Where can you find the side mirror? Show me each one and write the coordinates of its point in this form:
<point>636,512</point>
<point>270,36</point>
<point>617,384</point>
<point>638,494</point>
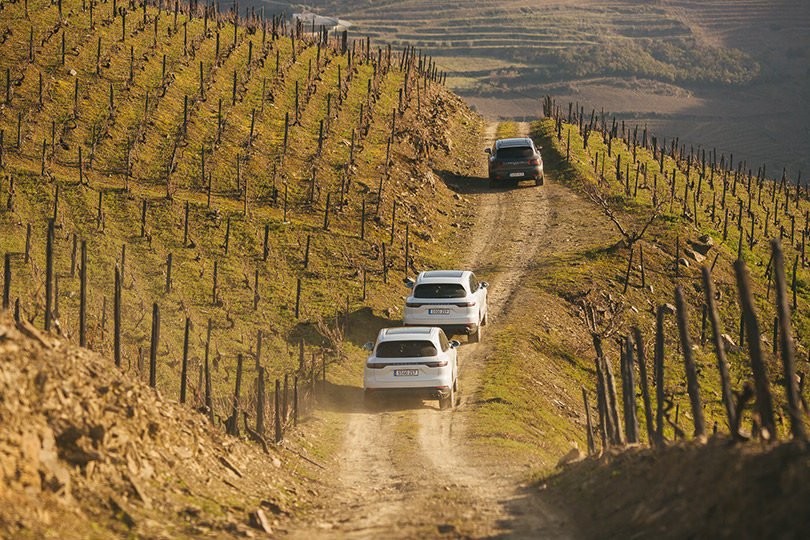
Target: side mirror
<point>484,284</point>
<point>454,343</point>
<point>369,346</point>
<point>409,282</point>
<point>488,150</point>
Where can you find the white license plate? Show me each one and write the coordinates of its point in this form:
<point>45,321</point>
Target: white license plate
<point>406,372</point>
<point>438,312</point>
<point>515,174</point>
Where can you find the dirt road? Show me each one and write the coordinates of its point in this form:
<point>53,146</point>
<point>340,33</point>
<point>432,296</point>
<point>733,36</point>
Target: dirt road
<point>407,471</point>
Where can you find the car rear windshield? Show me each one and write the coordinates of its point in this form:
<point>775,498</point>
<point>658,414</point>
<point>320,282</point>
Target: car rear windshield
<point>405,349</point>
<point>515,152</point>
<point>439,290</point>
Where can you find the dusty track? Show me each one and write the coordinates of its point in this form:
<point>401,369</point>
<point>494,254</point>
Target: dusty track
<point>406,471</point>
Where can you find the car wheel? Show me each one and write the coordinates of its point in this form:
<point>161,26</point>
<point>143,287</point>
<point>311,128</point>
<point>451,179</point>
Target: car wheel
<point>476,337</point>
<point>539,181</point>
<point>485,320</point>
<point>492,183</point>
<point>449,401</point>
<point>371,401</point>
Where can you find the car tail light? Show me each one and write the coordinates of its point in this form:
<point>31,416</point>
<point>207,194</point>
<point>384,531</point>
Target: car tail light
<point>466,304</point>
<point>375,366</point>
<point>412,304</point>
<point>497,163</point>
<point>436,364</point>
<point>535,161</point>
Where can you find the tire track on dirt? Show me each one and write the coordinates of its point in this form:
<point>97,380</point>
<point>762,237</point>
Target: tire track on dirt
<point>513,226</point>
<point>407,472</point>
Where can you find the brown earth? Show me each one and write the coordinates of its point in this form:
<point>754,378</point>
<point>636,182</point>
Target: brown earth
<point>690,490</point>
<point>413,471</point>
<point>89,452</point>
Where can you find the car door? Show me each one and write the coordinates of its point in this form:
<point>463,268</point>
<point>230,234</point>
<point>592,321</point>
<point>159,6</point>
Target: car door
<point>451,352</point>
<point>480,296</point>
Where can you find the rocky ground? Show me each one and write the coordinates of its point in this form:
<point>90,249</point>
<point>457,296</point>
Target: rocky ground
<point>86,451</point>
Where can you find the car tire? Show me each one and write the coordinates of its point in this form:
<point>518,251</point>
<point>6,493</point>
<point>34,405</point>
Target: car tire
<point>476,337</point>
<point>449,401</point>
<point>485,320</point>
<point>371,401</point>
<point>539,181</point>
<point>492,183</point>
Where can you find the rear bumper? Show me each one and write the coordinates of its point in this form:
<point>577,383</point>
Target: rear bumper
<point>529,173</point>
<point>450,329</point>
<point>431,392</point>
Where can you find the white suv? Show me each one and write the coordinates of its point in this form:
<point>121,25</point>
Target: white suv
<point>453,300</point>
<point>413,361</point>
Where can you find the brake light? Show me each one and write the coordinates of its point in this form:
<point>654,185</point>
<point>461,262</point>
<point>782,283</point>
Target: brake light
<point>497,163</point>
<point>437,364</point>
<point>535,161</point>
<point>466,304</point>
<point>412,304</point>
<point>375,366</point>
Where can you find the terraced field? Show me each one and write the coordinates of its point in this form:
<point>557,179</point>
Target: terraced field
<point>553,36</point>
<point>731,74</point>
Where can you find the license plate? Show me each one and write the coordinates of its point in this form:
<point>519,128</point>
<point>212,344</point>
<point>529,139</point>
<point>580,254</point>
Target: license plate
<point>406,372</point>
<point>515,174</point>
<point>438,312</point>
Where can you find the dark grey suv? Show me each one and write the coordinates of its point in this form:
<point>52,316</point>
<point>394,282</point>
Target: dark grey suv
<point>513,160</point>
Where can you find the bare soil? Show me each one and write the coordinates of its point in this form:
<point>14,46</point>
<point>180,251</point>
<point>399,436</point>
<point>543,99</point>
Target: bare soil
<point>412,470</point>
<point>690,490</point>
<point>88,452</point>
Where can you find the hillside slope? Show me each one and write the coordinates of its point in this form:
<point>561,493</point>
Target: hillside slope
<point>730,73</point>
<point>217,166</point>
<point>222,165</point>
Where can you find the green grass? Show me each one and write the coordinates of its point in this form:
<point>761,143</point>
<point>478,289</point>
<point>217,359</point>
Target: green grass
<point>659,250</point>
<point>530,402</point>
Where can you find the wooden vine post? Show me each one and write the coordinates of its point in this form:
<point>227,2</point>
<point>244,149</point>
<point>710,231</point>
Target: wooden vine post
<point>589,423</point>
<point>153,346</point>
<point>720,351</point>
<point>209,406</point>
<point>117,318</point>
<point>278,432</point>
<point>786,343</point>
<point>692,385</point>
<point>49,276</point>
<point>184,368</point>
<point>629,392</point>
<point>761,382</point>
<point>659,376</point>
<point>645,386</point>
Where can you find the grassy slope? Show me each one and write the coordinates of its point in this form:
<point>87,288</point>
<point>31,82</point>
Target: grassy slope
<point>338,258</point>
<point>531,392</point>
<point>541,41</point>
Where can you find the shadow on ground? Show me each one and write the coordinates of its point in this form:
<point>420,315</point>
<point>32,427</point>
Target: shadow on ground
<point>351,399</point>
<point>468,185</point>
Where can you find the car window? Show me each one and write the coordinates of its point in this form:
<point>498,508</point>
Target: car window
<point>515,152</point>
<point>473,283</point>
<point>439,290</point>
<point>405,349</point>
<point>443,341</point>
